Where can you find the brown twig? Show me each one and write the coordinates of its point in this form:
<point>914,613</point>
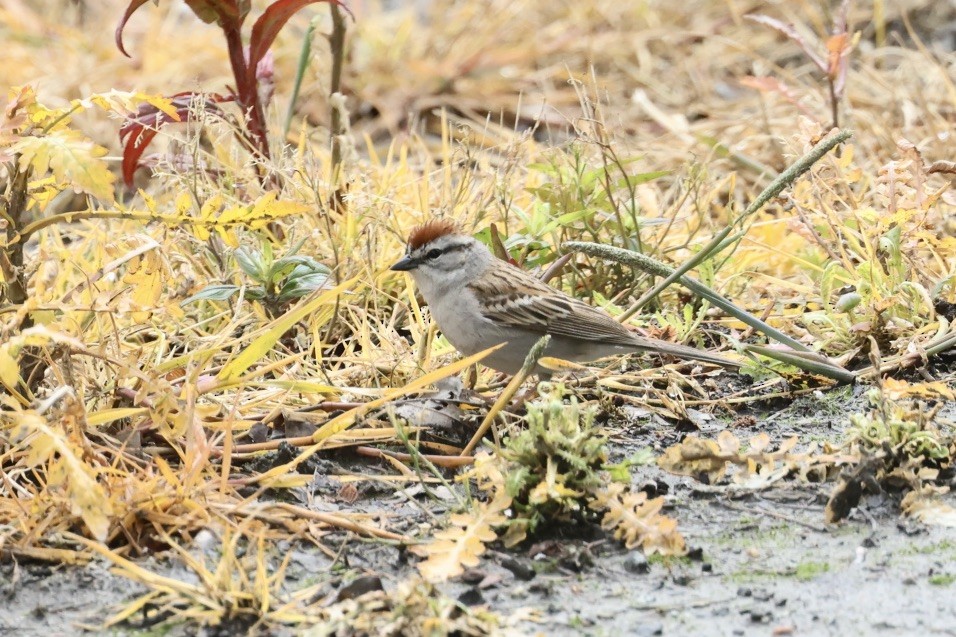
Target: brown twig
<point>447,462</point>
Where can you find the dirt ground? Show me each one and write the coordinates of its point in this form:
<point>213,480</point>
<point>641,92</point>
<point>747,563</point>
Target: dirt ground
<point>761,563</point>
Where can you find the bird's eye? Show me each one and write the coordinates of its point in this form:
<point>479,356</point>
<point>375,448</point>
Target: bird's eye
<point>434,253</point>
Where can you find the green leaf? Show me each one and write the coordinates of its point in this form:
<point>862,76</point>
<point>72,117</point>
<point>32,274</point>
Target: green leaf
<point>630,181</point>
<point>255,293</point>
<point>848,301</point>
<point>300,259</point>
<point>620,472</point>
<point>213,293</point>
<point>295,247</point>
<point>286,265</point>
<point>267,254</point>
<point>300,285</point>
<point>250,262</point>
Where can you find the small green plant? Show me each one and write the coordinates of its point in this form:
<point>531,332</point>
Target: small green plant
<point>276,282</point>
<point>579,195</point>
<point>557,470</point>
<point>904,431</point>
<point>900,447</point>
<point>553,472</point>
<point>555,463</point>
<point>882,276</point>
<point>885,300</point>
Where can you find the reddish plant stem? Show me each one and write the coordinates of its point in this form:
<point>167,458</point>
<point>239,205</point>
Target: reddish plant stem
<point>248,97</point>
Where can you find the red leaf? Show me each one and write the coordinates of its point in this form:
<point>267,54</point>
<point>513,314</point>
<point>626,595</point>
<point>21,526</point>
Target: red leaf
<point>130,10</point>
<point>133,150</point>
<point>267,27</point>
<point>225,13</point>
<point>138,131</point>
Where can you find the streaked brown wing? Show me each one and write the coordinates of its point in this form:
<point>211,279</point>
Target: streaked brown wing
<point>545,310</point>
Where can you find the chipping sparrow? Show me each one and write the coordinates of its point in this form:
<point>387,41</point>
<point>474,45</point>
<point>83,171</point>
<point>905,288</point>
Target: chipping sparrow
<point>479,301</point>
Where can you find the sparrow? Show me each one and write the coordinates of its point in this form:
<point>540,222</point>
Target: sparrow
<point>480,301</point>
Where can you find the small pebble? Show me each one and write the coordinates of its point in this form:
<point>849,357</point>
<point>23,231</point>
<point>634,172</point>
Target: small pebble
<point>519,568</point>
<point>635,562</point>
<point>759,617</point>
<point>360,586</point>
<point>471,597</point>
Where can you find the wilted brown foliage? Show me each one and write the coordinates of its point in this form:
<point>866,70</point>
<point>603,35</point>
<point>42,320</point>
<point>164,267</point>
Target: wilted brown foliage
<point>178,275</point>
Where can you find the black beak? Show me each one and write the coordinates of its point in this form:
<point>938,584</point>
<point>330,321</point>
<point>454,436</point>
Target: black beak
<point>405,265</point>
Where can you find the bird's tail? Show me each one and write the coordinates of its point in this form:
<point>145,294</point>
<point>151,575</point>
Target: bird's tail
<point>682,351</point>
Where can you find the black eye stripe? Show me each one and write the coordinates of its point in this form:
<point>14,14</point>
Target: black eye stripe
<point>455,247</point>
<point>434,253</point>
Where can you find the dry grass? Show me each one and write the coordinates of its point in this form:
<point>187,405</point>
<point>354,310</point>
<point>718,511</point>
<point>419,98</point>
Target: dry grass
<point>530,115</point>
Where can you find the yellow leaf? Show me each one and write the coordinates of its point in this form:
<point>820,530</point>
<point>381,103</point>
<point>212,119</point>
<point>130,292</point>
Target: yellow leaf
<point>224,221</point>
<point>288,481</point>
<point>925,506</point>
<point>42,191</point>
<point>38,114</point>
<point>127,103</point>
<point>545,492</point>
<point>638,521</point>
<point>694,457</point>
<point>146,275</point>
<point>728,442</point>
<point>166,471</point>
<point>41,335</point>
<point>898,389</point>
<point>303,386</point>
<point>759,443</point>
<point>66,470</point>
<point>267,209</point>
<point>74,160</point>
<point>559,364</point>
<point>184,203</point>
<point>148,200</point>
<point>9,369</point>
<point>463,542</point>
<point>846,156</point>
<point>343,421</point>
<point>98,418</point>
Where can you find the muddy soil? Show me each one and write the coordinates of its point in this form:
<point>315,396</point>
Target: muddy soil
<point>761,563</point>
